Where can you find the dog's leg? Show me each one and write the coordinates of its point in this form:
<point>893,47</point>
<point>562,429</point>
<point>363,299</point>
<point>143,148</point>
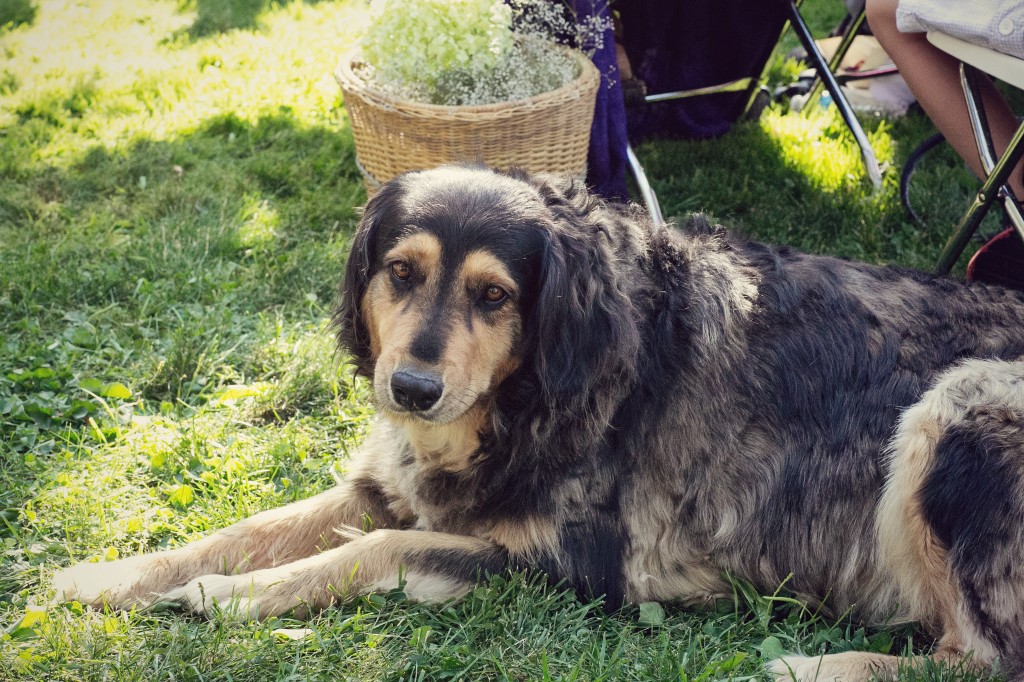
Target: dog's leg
<point>973,501</point>
<point>431,567</point>
<point>951,518</point>
<point>951,527</point>
<point>851,666</point>
<point>861,666</point>
<point>267,539</point>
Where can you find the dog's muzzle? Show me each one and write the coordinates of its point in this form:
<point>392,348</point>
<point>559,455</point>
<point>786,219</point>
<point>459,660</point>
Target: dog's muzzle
<point>416,390</point>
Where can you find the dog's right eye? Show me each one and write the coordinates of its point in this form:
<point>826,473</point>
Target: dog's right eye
<point>401,270</point>
<point>494,294</point>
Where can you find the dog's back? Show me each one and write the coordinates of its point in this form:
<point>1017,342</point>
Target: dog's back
<point>779,421</point>
<point>782,428</point>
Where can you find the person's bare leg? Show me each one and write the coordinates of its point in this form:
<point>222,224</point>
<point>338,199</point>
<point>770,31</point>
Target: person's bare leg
<point>934,78</point>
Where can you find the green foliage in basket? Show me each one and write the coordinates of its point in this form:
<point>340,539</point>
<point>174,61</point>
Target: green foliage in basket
<point>467,52</point>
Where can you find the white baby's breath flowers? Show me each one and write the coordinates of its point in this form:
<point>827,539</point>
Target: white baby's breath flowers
<point>471,52</point>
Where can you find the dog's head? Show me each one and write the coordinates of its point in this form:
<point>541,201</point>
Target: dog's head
<point>461,279</point>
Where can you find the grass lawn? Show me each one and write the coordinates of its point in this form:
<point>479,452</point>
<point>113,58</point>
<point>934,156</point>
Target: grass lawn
<point>177,193</point>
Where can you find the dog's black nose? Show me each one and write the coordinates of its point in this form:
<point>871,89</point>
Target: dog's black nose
<point>416,390</point>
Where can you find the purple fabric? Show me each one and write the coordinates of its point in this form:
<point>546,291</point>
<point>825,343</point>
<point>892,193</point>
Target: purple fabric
<point>675,46</point>
<point>682,46</point>
<point>606,159</point>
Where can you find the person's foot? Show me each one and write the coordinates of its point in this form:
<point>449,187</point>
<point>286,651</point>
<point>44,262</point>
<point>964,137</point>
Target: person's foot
<point>1000,261</point>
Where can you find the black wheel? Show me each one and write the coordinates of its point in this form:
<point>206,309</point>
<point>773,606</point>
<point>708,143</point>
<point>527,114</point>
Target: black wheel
<point>762,98</point>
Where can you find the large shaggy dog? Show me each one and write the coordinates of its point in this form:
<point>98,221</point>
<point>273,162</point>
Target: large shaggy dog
<point>641,411</point>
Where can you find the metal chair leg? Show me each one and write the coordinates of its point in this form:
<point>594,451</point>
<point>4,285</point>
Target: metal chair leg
<point>998,171</point>
<point>825,73</point>
<point>646,191</point>
<point>845,43</point>
<point>969,81</point>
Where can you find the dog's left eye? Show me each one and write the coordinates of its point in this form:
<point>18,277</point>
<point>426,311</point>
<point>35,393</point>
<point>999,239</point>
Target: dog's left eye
<point>494,294</point>
<point>401,270</point>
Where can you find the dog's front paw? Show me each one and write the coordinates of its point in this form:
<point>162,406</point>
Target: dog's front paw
<point>120,584</point>
<point>226,592</point>
<point>248,596</point>
<point>852,666</point>
<point>798,668</point>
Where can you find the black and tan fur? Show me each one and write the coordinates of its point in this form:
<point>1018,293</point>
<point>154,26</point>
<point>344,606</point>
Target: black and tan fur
<point>640,411</point>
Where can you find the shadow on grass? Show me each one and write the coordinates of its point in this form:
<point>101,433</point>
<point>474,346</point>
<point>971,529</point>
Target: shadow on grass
<point>14,13</point>
<point>159,265</point>
<point>220,16</point>
<point>231,191</point>
<point>747,181</point>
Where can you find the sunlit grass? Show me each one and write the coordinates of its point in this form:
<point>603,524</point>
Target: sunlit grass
<point>819,147</point>
<point>112,71</point>
<point>258,222</point>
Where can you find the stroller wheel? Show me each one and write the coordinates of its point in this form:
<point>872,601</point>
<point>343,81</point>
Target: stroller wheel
<point>762,98</point>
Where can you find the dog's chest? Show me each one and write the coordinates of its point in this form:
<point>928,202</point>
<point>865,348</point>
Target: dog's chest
<point>437,498</point>
<point>448,502</point>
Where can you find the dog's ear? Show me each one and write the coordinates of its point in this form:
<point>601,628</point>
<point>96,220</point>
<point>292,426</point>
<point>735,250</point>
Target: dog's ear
<point>350,327</point>
<point>582,329</point>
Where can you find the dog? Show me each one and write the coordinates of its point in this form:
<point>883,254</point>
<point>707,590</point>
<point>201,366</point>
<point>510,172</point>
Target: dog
<point>641,412</point>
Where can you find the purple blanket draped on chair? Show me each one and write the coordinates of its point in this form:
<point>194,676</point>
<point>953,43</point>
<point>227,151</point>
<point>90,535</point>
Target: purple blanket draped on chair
<point>675,46</point>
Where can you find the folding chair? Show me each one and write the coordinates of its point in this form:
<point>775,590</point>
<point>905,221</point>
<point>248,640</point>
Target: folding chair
<point>752,86</point>
<point>975,61</point>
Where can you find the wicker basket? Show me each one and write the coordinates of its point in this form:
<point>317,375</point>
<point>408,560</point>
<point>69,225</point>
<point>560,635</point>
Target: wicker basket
<point>547,132</point>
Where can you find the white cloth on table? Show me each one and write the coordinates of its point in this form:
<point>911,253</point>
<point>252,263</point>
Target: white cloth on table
<point>995,24</point>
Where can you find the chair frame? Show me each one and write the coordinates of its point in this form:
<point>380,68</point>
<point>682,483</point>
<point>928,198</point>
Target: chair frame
<point>997,171</point>
<point>825,71</point>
